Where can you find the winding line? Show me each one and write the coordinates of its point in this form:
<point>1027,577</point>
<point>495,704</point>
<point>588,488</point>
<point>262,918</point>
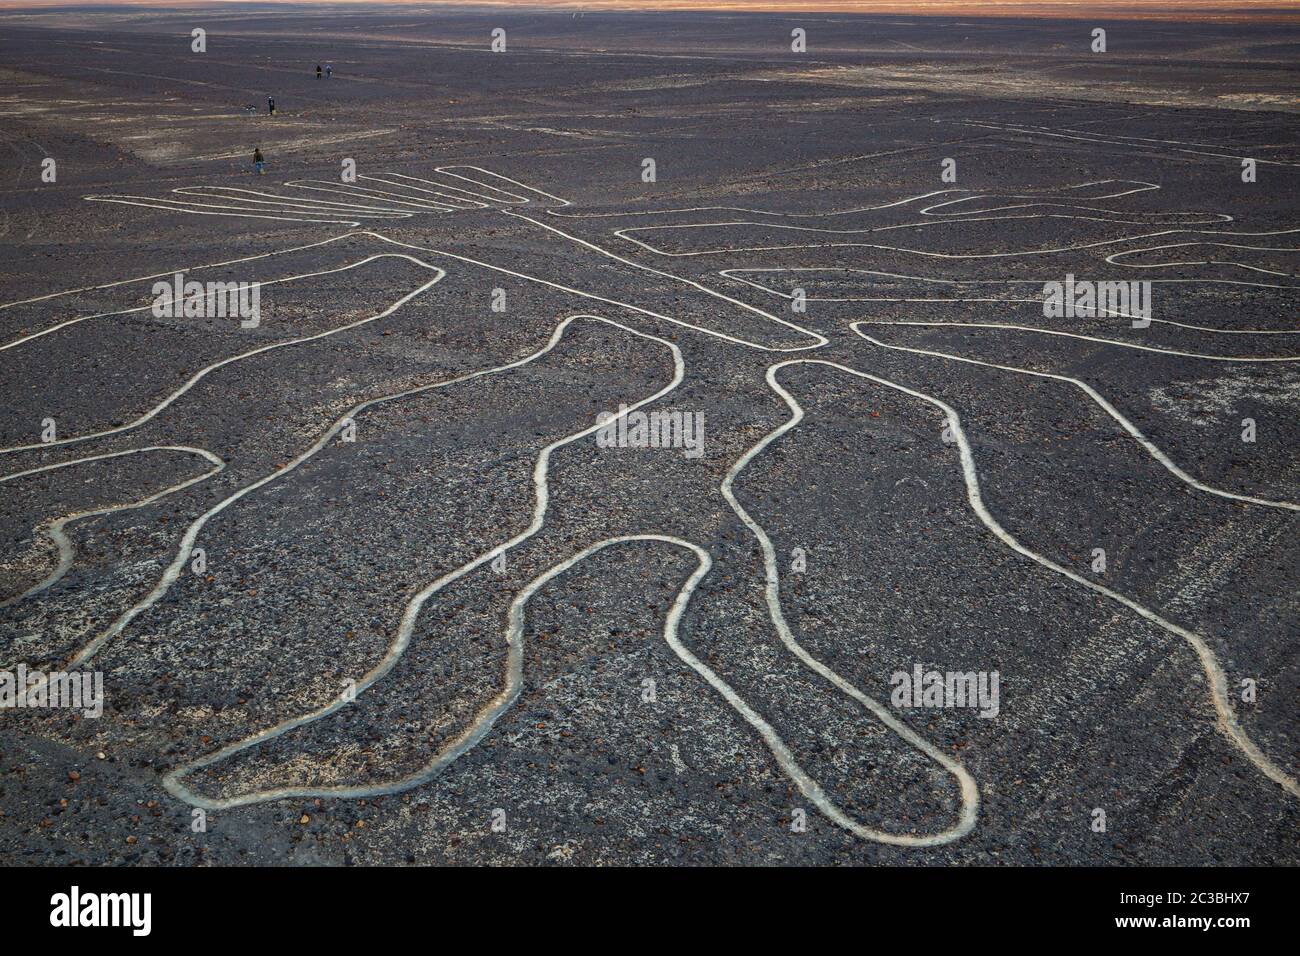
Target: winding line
<point>820,339</point>
<point>431,196</point>
<point>1151,448</point>
<point>1172,145</point>
<point>205,295</point>
<point>738,275</point>
<point>173,571</point>
<point>203,372</point>
<point>1226,718</point>
<point>1114,257</point>
<point>489,714</point>
<point>402,638</point>
<point>1086,338</point>
<point>250,203</point>
<point>171,272</point>
<point>772,595</point>
<point>55,528</point>
<point>968,197</point>
<point>625,234</point>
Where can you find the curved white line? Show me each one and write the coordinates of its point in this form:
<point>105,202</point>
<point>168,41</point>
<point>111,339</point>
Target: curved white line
<point>203,372</point>
<point>1218,683</point>
<point>488,715</point>
<point>1150,447</point>
<point>772,595</point>
<point>1087,338</point>
<point>54,529</point>
<point>402,638</point>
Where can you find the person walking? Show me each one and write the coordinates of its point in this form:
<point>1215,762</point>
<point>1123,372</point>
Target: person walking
<point>270,106</point>
<point>329,70</point>
<point>258,161</point>
<point>318,71</point>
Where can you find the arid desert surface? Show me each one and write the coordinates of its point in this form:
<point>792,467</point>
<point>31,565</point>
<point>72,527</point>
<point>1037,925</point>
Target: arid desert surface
<point>382,565</point>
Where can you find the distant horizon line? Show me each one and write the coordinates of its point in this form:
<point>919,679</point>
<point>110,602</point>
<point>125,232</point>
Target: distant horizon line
<point>1187,10</point>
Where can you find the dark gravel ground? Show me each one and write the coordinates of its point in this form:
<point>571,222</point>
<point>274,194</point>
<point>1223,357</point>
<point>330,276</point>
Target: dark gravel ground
<point>307,577</point>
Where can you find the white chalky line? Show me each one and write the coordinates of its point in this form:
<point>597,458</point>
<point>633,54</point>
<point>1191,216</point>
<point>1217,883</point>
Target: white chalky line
<point>408,622</point>
<point>1114,257</point>
<point>402,638</point>
<point>772,595</point>
<point>1109,140</point>
<point>820,339</point>
<point>488,715</point>
<point>738,275</point>
<point>446,171</point>
<point>146,308</point>
<point>296,209</point>
<point>191,209</point>
<point>54,529</point>
<point>1174,142</point>
<point>1151,448</point>
<point>170,272</point>
<point>1141,187</point>
<point>981,214</point>
<point>944,218</point>
<point>757,212</point>
<point>624,234</point>
<point>301,209</point>
<point>370,193</point>
<point>1087,338</point>
<point>1227,722</point>
<point>1218,682</point>
<point>470,200</point>
<point>515,199</point>
<point>970,794</point>
<point>203,372</point>
<point>305,203</point>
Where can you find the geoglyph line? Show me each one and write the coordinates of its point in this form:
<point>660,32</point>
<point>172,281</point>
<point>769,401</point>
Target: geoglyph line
<point>1088,338</point>
<point>411,196</point>
<point>258,204</point>
<point>772,596</point>
<point>203,372</point>
<point>173,571</point>
<point>205,295</point>
<point>962,195</point>
<point>810,788</point>
<point>1150,447</point>
<point>1015,253</point>
<point>488,715</point>
<point>1226,719</point>
<point>739,275</point>
<point>54,529</point>
<point>1114,139</point>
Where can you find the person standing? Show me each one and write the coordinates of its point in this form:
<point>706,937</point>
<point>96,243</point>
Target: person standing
<point>329,70</point>
<point>258,161</point>
<point>318,71</point>
<point>270,106</point>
